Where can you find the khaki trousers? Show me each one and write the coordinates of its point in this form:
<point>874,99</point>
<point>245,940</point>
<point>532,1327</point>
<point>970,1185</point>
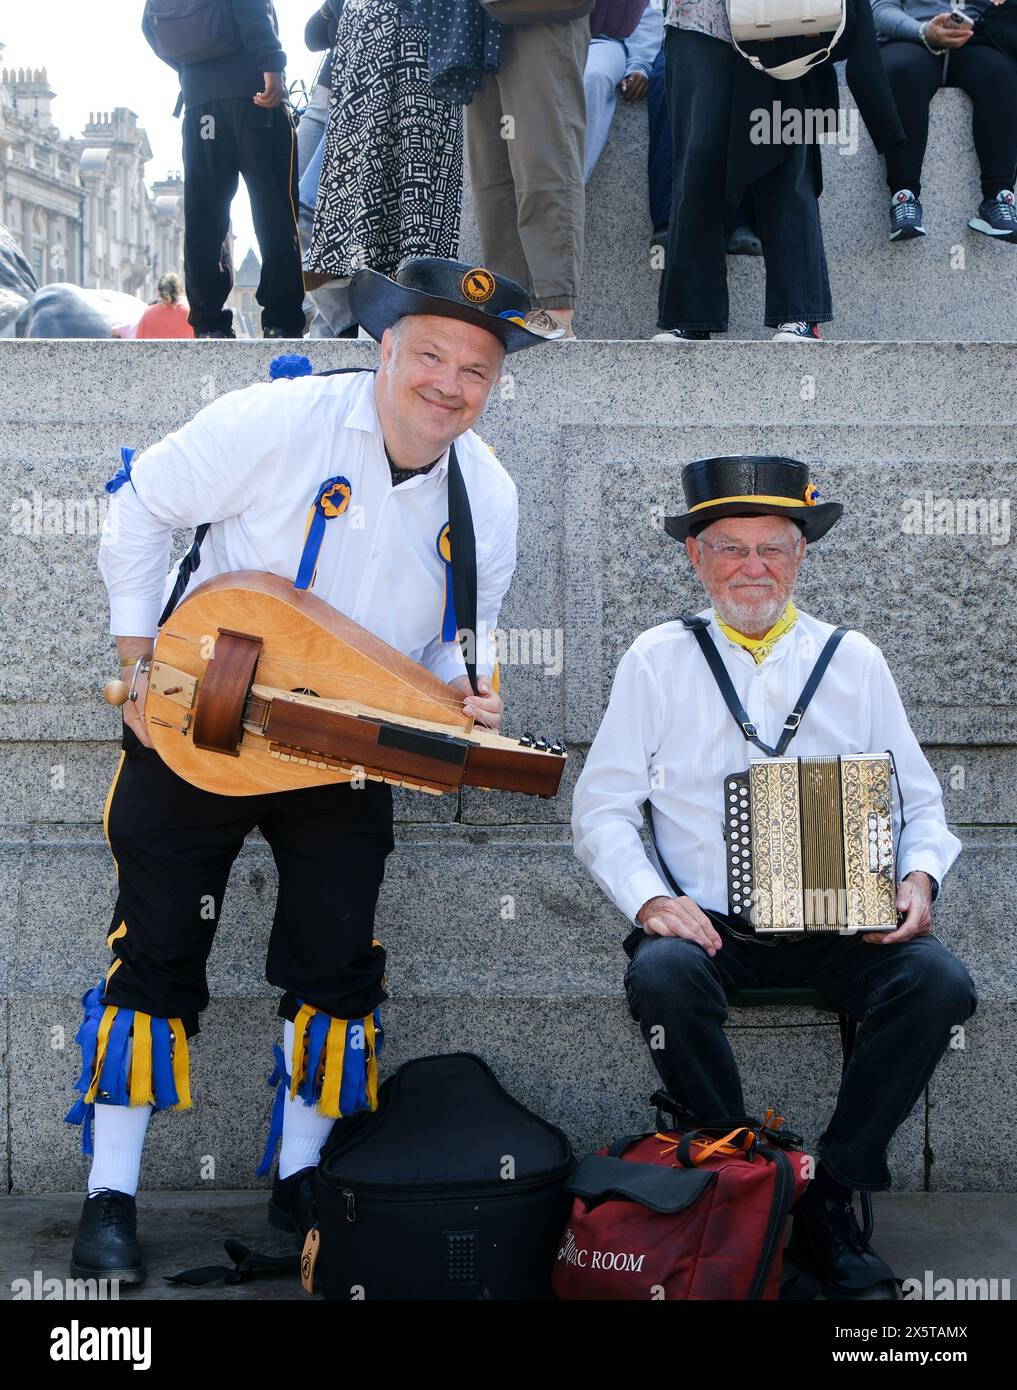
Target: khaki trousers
<point>525,135</point>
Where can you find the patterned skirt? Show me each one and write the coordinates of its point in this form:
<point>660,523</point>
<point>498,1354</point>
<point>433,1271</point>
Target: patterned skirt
<point>392,166</point>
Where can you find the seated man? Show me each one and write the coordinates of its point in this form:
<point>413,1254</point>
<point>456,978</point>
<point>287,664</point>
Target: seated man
<point>668,738</point>
<point>255,466</point>
<point>613,66</point>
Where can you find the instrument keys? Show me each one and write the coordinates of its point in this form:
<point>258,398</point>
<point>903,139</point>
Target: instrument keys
<point>558,747</point>
<point>526,741</point>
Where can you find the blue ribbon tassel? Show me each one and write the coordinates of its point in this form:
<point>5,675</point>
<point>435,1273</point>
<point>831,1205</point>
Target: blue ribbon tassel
<point>124,473</point>
<point>332,499</point>
<point>281,1081</point>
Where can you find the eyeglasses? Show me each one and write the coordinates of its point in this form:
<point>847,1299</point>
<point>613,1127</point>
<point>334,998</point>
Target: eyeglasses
<point>773,551</point>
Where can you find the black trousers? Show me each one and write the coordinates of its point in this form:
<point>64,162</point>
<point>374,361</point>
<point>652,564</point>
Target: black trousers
<point>222,141</point>
<point>693,287</point>
<point>174,845</point>
<point>990,79</point>
<point>906,997</point>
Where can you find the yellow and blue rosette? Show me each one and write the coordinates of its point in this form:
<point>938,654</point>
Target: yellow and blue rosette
<point>811,495</point>
<point>333,498</point>
<point>443,545</point>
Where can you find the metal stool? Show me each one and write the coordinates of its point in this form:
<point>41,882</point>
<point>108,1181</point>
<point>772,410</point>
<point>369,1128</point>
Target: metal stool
<point>801,997</point>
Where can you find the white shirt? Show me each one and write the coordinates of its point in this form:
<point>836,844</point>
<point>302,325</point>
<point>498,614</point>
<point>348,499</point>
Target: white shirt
<point>667,737</point>
<point>251,464</point>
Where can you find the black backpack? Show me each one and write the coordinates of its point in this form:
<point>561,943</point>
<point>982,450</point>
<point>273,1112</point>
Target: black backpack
<point>450,1190</point>
<point>191,31</point>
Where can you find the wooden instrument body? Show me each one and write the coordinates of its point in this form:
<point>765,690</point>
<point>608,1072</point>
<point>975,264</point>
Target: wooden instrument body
<point>308,667</point>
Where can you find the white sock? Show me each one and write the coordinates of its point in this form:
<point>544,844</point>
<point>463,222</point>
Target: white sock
<point>304,1128</point>
<point>119,1136</point>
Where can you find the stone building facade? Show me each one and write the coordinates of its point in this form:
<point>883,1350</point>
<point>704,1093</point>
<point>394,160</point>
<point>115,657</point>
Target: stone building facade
<point>79,207</point>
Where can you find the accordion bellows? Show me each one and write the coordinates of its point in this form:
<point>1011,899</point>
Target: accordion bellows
<point>810,844</point>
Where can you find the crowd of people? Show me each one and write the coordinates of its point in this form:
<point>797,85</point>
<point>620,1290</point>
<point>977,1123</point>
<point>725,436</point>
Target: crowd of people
<point>371,171</point>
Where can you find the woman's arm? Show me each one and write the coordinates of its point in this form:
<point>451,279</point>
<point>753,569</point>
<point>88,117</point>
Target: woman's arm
<point>894,22</point>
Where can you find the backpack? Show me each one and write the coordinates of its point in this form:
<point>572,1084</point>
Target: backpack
<point>191,31</point>
<point>684,1216</point>
<point>753,21</point>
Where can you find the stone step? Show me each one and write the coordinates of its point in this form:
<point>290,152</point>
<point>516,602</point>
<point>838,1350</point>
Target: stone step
<point>578,1061</point>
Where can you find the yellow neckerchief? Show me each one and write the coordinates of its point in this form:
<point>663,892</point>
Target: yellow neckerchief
<point>761,647</point>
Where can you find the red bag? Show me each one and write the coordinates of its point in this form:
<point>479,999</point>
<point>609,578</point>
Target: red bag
<point>694,1215</point>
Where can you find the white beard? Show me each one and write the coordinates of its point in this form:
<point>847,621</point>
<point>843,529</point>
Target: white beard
<point>741,616</point>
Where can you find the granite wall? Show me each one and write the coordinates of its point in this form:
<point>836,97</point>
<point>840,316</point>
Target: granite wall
<point>595,435</point>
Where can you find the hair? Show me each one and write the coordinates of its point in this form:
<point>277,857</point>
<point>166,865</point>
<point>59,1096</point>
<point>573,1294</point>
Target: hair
<point>170,288</point>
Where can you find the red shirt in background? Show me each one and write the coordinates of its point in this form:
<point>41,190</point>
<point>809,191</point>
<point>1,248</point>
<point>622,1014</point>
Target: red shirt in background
<point>165,321</point>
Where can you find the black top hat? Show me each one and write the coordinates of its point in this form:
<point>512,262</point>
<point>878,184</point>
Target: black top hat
<point>452,289</point>
<point>751,485</point>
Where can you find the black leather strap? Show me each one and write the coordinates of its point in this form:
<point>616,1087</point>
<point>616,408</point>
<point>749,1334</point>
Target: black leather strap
<point>699,629</point>
<point>463,543</point>
<point>188,565</point>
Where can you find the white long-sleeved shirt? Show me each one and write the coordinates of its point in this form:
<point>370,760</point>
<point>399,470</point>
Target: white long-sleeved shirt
<point>251,464</point>
<point>667,737</point>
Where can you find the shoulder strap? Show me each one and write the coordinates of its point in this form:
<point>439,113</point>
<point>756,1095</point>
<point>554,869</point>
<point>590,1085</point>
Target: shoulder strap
<point>699,629</point>
<point>463,542</point>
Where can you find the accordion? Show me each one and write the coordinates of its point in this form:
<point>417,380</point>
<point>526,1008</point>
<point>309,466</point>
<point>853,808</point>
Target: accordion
<point>810,844</point>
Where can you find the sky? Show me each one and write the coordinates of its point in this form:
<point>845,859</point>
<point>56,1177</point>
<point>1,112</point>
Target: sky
<point>96,58</point>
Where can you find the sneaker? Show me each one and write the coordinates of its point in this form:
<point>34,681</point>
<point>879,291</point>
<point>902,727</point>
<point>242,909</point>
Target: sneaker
<point>279,333</point>
<point>680,335</point>
<point>215,333</point>
<point>544,323</point>
<point>743,241</point>
<point>106,1245</point>
<point>799,332</point>
<point>997,216</point>
<point>905,216</point>
<point>827,1242</point>
<point>291,1206</point>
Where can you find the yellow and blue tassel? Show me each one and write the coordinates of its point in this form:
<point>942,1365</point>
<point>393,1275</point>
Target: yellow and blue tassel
<point>159,1072</point>
<point>337,1070</point>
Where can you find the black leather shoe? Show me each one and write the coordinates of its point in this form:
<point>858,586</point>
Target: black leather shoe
<point>106,1245</point>
<point>827,1240</point>
<point>291,1206</point>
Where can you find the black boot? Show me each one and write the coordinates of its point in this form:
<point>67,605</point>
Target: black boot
<point>827,1241</point>
<point>106,1245</point>
<point>291,1206</point>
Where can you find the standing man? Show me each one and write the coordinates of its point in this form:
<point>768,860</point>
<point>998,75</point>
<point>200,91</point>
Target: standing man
<point>252,464</point>
<point>231,67</point>
<point>669,738</point>
<point>525,137</point>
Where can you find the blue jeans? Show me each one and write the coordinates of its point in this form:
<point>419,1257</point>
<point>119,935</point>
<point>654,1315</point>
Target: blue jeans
<point>693,287</point>
<point>906,998</point>
<point>605,68</point>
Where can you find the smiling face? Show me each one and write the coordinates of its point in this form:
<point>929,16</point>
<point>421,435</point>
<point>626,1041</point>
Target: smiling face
<point>436,375</point>
<point>751,594</point>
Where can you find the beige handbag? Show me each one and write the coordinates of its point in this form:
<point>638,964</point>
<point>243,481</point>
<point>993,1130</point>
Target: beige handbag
<point>755,20</point>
